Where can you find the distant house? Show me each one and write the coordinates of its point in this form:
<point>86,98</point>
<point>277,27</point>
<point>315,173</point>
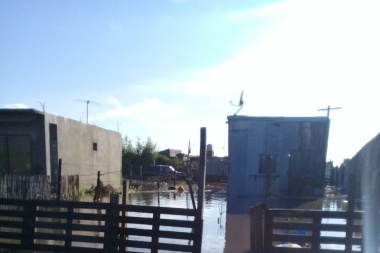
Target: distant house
<point>171,153</point>
<point>32,142</point>
<point>217,168</point>
<point>290,150</point>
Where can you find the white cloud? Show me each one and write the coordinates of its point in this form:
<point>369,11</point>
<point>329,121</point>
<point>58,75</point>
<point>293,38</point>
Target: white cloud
<point>15,106</point>
<point>149,110</point>
<point>320,53</point>
<point>113,101</point>
<point>317,53</point>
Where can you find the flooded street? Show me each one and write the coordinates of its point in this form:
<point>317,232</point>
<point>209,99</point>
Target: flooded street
<point>222,231</point>
<point>229,232</point>
<point>214,216</point>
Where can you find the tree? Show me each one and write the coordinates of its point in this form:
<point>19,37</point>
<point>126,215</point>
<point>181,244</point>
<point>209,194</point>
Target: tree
<point>138,157</point>
<point>142,155</point>
<point>164,160</point>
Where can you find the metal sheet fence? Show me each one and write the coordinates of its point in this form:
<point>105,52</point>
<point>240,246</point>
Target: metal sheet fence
<point>37,187</point>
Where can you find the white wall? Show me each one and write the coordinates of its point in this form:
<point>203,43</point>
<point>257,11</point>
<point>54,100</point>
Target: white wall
<point>75,148</point>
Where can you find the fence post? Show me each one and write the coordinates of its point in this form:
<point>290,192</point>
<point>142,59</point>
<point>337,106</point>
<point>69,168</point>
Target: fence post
<point>253,222</point>
<point>268,228</point>
<point>257,228</point>
<point>98,188</point>
<point>198,230</point>
<point>155,229</point>
<point>59,179</point>
<point>110,235</point>
<point>122,236</point>
<point>316,238</point>
<point>69,222</point>
<point>350,213</point>
<point>29,213</point>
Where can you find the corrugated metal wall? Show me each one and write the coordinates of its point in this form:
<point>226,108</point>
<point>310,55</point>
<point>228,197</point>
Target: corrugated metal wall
<point>15,156</point>
<point>297,146</point>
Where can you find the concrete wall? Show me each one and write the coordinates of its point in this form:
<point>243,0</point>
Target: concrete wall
<point>75,148</point>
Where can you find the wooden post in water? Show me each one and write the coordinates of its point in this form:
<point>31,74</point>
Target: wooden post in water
<point>202,172</point>
<point>201,191</point>
<point>191,192</point>
<point>98,190</point>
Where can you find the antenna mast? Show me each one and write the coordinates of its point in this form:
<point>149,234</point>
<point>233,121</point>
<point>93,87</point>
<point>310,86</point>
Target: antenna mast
<point>241,102</point>
<point>87,102</point>
<point>328,110</point>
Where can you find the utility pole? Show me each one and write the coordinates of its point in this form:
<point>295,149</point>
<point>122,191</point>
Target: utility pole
<point>328,123</point>
<point>188,160</point>
<point>328,110</point>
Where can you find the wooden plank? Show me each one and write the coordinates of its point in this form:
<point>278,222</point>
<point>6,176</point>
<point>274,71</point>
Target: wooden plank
<point>177,223</point>
<point>291,250</point>
<point>11,213</point>
<point>11,224</point>
<point>10,235</point>
<point>64,219</point>
<point>73,238</point>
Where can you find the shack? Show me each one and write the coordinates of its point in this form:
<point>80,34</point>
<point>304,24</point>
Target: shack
<point>276,156</point>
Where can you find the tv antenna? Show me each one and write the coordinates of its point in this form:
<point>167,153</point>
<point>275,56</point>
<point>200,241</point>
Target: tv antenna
<point>328,110</point>
<point>241,102</point>
<point>87,102</point>
<point>42,105</point>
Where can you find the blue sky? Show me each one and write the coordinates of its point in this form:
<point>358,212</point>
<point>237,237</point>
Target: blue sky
<point>165,68</point>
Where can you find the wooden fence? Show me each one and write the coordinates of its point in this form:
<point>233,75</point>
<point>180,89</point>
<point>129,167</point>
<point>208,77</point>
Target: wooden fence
<point>315,231</point>
<point>66,226</point>
<point>37,187</point>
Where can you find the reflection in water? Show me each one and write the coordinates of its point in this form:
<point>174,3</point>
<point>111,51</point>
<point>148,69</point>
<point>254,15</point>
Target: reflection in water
<point>214,215</point>
<point>227,223</point>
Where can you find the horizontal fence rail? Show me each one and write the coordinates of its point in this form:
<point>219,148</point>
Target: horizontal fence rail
<point>66,226</point>
<point>308,231</point>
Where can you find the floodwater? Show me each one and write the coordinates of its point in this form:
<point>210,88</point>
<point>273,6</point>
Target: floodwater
<point>230,232</point>
<point>214,215</point>
<point>226,232</point>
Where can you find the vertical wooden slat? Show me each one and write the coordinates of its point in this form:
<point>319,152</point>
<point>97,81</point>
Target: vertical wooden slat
<point>110,234</point>
<point>155,229</point>
<point>29,212</point>
<point>268,231</point>
<point>252,229</point>
<point>198,230</point>
<point>315,243</point>
<point>59,179</point>
<point>257,228</point>
<point>350,212</point>
<point>69,221</point>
